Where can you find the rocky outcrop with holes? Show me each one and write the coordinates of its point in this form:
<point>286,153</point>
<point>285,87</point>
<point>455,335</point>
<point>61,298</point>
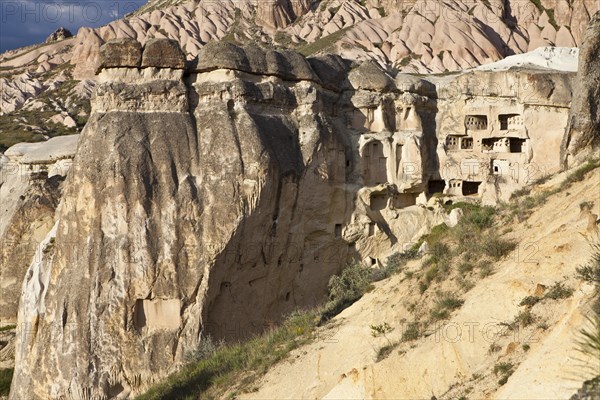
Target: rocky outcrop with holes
<point>240,181</point>
<point>228,199</point>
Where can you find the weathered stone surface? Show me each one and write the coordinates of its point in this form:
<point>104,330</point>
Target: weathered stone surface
<point>31,177</point>
<point>287,65</point>
<point>583,131</point>
<point>229,197</point>
<point>331,69</point>
<point>124,52</point>
<point>414,84</point>
<point>480,114</point>
<point>59,34</point>
<point>163,53</point>
<point>370,76</point>
<point>279,13</point>
<point>282,156</point>
<point>222,54</point>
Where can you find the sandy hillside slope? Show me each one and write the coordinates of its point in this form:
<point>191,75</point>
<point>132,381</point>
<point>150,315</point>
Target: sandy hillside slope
<point>459,357</point>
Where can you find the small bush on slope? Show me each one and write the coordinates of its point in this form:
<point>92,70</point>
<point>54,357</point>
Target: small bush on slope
<point>346,288</point>
<point>522,204</point>
<point>5,379</point>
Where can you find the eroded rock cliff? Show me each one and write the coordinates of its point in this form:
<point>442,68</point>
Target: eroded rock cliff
<point>584,123</point>
<point>237,183</point>
<point>226,200</point>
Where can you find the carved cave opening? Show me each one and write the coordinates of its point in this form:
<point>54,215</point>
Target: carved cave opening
<point>374,164</point>
<point>436,186</point>
<point>338,230</point>
<point>470,188</point>
<point>517,145</point>
<point>509,121</point>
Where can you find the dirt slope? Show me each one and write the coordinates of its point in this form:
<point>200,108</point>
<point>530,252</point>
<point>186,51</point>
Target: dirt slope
<point>459,357</point>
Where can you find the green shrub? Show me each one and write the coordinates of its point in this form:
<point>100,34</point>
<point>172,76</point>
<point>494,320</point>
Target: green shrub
<point>520,192</point>
<point>5,379</point>
<point>496,247</point>
<point>580,173</point>
<point>431,274</point>
<point>525,318</point>
<point>481,217</point>
<point>526,347</point>
<point>465,268</point>
<point>591,271</point>
<point>393,265</point>
<point>505,370</point>
<point>322,43</point>
<point>438,314</point>
<point>529,301</point>
<point>206,348</point>
<point>558,291</point>
<point>412,332</point>
<point>446,303</point>
<point>485,269</point>
<point>346,288</point>
<point>385,351</point>
<point>588,342</point>
<point>381,329</point>
<point>439,251</point>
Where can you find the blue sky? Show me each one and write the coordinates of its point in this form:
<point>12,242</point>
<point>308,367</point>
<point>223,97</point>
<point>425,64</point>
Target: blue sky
<point>25,22</point>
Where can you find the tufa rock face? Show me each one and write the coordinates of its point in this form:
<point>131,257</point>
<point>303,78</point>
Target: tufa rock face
<point>279,13</point>
<point>370,76</point>
<point>59,34</point>
<point>227,200</point>
<point>583,131</point>
<point>216,55</point>
<point>233,192</point>
<point>286,64</point>
<point>123,52</point>
<point>163,53</point>
<point>30,187</point>
<point>331,69</point>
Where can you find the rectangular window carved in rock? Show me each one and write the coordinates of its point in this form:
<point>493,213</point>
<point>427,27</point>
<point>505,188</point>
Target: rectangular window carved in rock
<point>517,145</point>
<point>452,142</point>
<point>509,121</point>
<point>436,187</point>
<point>466,143</point>
<point>338,230</point>
<point>470,188</point>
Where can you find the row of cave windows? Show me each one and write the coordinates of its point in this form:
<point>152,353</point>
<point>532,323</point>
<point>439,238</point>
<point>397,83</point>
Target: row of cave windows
<point>513,145</point>
<point>480,122</point>
<point>467,188</point>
